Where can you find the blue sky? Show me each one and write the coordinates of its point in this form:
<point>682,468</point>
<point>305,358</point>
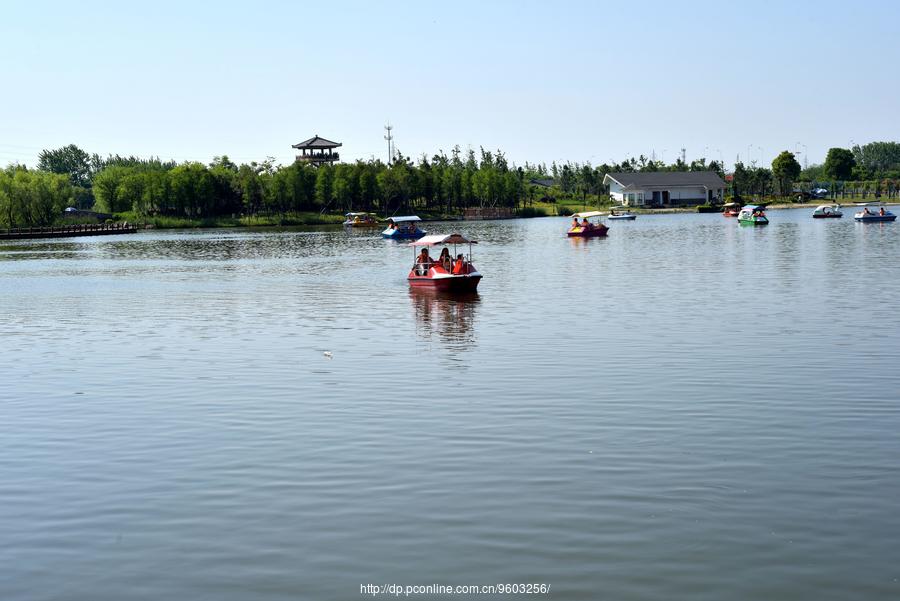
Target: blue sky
<point>580,81</point>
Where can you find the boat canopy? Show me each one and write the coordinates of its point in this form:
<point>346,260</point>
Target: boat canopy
<point>832,206</point>
<point>752,207</point>
<point>358,214</point>
<point>404,219</point>
<point>587,214</point>
<point>435,239</point>
<point>731,204</point>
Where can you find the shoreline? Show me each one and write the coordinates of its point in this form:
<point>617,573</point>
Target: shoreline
<point>335,220</point>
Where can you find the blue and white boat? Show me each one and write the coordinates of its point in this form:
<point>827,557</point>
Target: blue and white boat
<point>403,228</point>
<point>879,214</point>
<point>625,215</point>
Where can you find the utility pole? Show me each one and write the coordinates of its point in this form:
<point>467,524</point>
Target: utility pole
<point>683,155</point>
<point>390,139</point>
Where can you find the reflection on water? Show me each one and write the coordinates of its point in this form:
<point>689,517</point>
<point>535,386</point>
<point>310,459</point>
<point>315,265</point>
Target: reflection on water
<point>449,317</point>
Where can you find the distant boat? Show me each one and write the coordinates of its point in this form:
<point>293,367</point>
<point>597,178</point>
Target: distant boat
<point>623,216</point>
<point>753,215</point>
<point>403,228</point>
<point>832,211</point>
<point>360,220</point>
<point>732,209</point>
<point>594,227</point>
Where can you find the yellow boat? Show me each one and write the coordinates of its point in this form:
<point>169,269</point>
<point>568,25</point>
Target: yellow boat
<point>361,220</point>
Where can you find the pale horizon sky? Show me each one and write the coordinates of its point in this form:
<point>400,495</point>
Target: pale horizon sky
<point>578,81</point>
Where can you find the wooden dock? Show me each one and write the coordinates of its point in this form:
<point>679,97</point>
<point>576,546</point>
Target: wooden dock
<point>68,231</point>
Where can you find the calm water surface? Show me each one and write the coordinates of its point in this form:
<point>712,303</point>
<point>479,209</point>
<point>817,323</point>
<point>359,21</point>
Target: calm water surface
<point>688,409</point>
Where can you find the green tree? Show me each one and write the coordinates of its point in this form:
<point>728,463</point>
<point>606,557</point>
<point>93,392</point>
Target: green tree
<point>106,189</point>
<point>345,186</point>
<point>839,164</point>
<point>155,197</point>
<point>6,207</point>
<point>786,170</point>
<point>368,185</point>
<point>192,189</point>
<point>251,191</point>
<point>69,160</point>
<point>586,181</point>
<point>740,181</point>
<point>32,198</point>
<point>566,178</point>
<point>878,157</point>
<point>131,190</point>
<point>324,185</point>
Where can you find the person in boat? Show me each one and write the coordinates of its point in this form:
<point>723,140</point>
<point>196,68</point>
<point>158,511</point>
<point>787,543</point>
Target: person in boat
<point>444,259</point>
<point>586,224</point>
<point>459,265</point>
<point>423,262</point>
<point>866,211</point>
<point>575,222</point>
<point>881,211</point>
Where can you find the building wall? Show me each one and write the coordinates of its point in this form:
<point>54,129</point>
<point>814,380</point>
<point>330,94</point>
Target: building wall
<point>615,190</point>
<point>678,195</point>
<point>634,198</point>
<point>687,195</point>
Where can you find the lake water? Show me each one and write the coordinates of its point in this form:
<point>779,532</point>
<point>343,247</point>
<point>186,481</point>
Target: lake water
<point>688,409</point>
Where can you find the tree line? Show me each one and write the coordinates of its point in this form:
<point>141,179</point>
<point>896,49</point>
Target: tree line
<point>444,183</point>
<point>32,198</point>
<point>872,168</point>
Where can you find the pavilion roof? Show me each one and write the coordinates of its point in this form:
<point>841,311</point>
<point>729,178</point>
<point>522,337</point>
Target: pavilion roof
<point>316,142</point>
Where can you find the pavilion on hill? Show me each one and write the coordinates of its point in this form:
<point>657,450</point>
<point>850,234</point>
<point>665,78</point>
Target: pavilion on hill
<point>317,151</point>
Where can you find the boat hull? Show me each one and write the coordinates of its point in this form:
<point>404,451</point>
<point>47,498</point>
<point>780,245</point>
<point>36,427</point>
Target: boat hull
<point>754,221</point>
<point>875,218</point>
<point>580,232</point>
<point>828,216</point>
<point>622,217</point>
<point>462,283</point>
<point>437,278</point>
<point>452,283</point>
<point>398,235</point>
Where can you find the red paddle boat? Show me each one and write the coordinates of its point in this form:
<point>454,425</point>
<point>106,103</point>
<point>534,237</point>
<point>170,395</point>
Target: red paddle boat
<point>732,209</point>
<point>453,273</point>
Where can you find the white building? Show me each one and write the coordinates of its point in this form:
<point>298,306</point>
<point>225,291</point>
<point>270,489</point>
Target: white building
<point>665,188</point>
